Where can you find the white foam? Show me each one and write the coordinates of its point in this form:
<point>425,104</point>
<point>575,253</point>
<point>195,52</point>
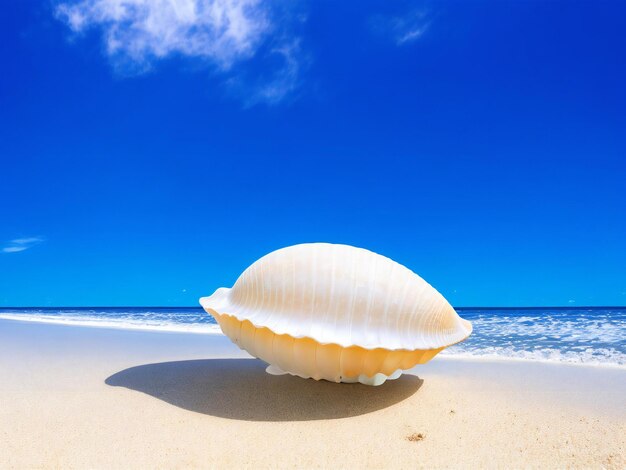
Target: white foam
<point>555,326</point>
<point>125,324</point>
<point>602,357</point>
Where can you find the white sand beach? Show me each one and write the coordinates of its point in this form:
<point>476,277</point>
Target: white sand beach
<point>78,397</point>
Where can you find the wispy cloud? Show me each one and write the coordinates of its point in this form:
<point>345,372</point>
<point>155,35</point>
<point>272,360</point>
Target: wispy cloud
<point>139,33</point>
<point>21,244</point>
<point>279,82</point>
<point>403,29</point>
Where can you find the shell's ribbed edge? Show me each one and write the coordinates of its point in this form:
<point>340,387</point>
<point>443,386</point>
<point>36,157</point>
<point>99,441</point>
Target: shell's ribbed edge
<point>209,307</point>
<point>374,381</point>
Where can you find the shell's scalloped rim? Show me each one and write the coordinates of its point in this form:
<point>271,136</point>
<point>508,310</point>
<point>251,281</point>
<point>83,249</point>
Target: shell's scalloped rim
<point>373,381</point>
<point>216,314</point>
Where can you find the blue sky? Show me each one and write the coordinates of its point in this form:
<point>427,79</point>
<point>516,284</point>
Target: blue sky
<point>150,154</point>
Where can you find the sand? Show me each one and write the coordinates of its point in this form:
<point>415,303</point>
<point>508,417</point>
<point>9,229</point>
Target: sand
<point>76,397</point>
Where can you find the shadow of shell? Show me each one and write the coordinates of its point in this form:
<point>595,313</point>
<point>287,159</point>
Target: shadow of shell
<point>241,389</point>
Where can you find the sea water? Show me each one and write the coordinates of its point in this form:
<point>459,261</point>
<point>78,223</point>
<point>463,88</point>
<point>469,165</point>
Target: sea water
<point>592,336</point>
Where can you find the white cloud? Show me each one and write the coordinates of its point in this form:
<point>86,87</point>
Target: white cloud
<point>403,29</point>
<point>138,33</point>
<point>21,244</point>
<point>14,249</point>
<point>141,31</point>
<point>411,34</point>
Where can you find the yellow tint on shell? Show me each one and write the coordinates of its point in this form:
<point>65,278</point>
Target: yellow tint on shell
<point>308,358</point>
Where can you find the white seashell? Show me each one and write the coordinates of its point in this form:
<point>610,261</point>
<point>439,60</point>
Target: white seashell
<point>336,312</point>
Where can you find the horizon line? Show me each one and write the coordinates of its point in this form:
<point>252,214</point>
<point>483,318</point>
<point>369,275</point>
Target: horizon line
<point>200,307</point>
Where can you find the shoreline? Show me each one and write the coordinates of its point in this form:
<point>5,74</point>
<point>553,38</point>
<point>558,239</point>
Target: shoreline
<point>216,331</point>
<point>111,326</point>
<point>96,397</point>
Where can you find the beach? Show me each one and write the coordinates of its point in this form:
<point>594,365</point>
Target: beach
<point>86,397</point>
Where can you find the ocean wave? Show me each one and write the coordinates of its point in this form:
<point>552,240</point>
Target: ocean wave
<point>573,336</point>
<point>579,329</point>
<point>594,357</point>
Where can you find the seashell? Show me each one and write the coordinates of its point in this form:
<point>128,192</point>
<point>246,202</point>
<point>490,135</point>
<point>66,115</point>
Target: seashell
<point>335,312</point>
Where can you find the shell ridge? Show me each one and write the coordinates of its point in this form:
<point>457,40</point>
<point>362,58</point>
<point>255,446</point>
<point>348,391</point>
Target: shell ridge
<point>341,363</point>
<point>253,288</point>
<point>262,306</point>
<point>432,331</point>
<point>238,342</point>
<point>355,285</point>
<point>334,318</point>
<point>272,353</point>
<point>430,325</point>
<point>283,303</point>
<point>255,342</point>
<point>401,307</point>
<point>315,361</point>
<point>418,316</point>
<point>313,267</point>
<point>371,283</point>
<point>328,311</point>
<point>388,297</point>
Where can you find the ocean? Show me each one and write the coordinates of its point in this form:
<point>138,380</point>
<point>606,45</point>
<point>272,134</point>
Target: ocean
<point>591,336</point>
